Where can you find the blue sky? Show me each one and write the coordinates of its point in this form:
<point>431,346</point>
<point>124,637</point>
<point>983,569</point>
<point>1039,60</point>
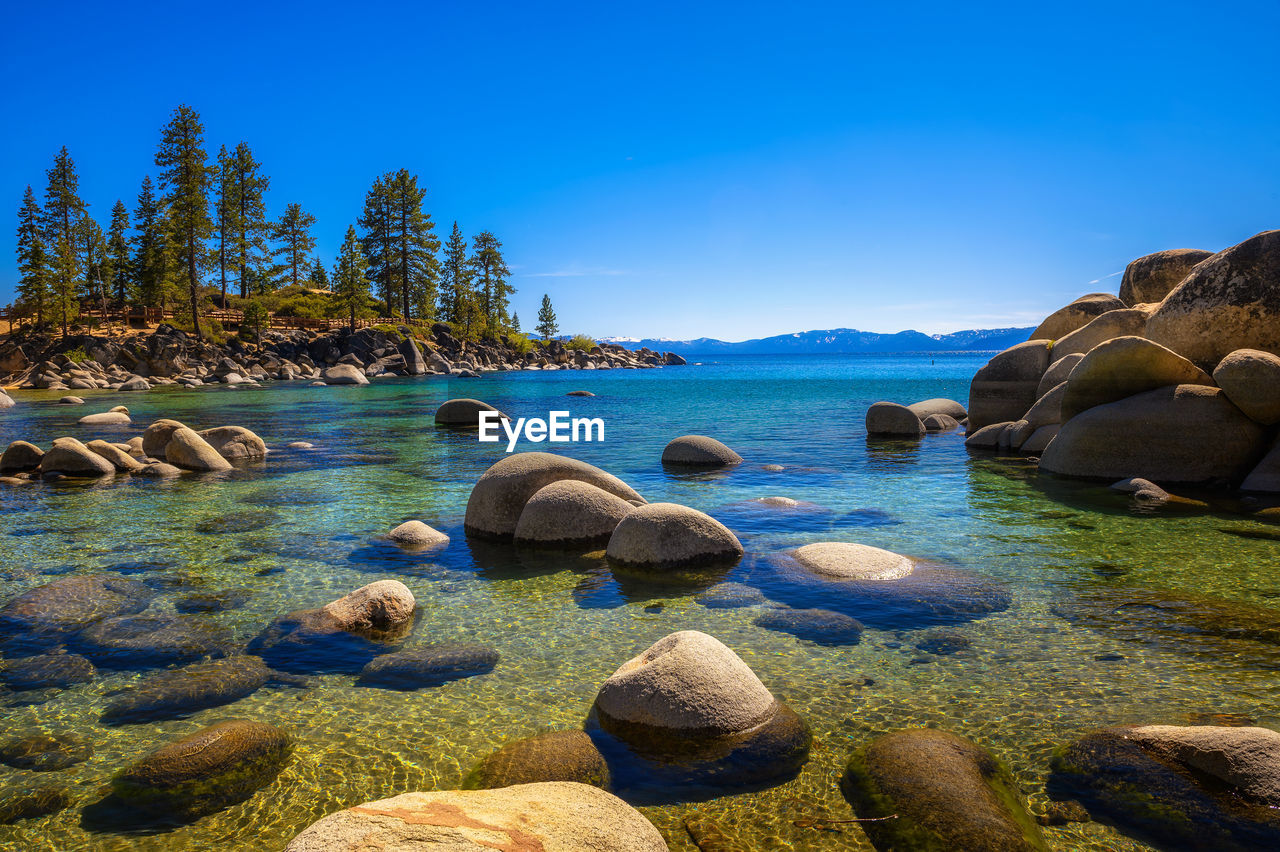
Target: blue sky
<point>723,169</point>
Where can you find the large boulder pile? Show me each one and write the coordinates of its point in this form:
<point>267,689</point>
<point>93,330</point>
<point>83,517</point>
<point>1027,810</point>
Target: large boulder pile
<point>1177,383</point>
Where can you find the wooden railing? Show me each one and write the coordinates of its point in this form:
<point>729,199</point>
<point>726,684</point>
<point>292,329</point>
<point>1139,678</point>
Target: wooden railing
<point>228,318</point>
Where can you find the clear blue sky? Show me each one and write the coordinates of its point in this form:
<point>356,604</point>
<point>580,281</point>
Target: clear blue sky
<point>723,169</point>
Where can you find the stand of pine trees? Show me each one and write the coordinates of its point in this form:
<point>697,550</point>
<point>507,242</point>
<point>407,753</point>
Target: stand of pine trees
<point>198,238</point>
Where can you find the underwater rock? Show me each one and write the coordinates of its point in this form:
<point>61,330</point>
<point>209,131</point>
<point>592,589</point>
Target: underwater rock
<point>237,522</point>
<point>179,692</point>
<point>946,793</point>
<point>569,514</point>
<point>942,643</point>
<point>849,561</point>
<point>730,596</point>
<point>699,451</point>
<point>137,641</point>
<point>45,753</point>
<point>820,626</point>
<point>222,601</point>
<point>670,536</point>
<point>217,766</point>
<point>32,804</point>
<point>500,495</point>
<point>429,665</point>
<point>65,606</point>
<point>46,670</point>
<point>551,756</point>
<point>557,815</point>
<point>1179,787</point>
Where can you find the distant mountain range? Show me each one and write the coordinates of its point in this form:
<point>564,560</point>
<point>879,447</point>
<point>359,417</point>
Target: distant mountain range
<point>838,341</point>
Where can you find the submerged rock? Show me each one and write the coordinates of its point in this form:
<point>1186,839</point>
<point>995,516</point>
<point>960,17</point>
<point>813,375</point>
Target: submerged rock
<point>665,536</point>
<point>217,766</point>
<point>179,692</point>
<point>820,626</point>
<point>45,753</point>
<point>428,665</point>
<point>125,642</point>
<point>70,604</point>
<point>699,451</point>
<point>499,496</point>
<point>559,816</point>
<point>46,670</point>
<point>730,596</point>
<point>552,756</point>
<point>942,792</point>
<point>1180,787</point>
<point>32,804</point>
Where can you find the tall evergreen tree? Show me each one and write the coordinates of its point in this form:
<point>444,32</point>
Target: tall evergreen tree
<point>492,281</point>
<point>96,264</point>
<point>378,240</point>
<point>350,276</point>
<point>66,275</point>
<point>63,208</point>
<point>319,275</point>
<point>252,228</point>
<point>185,178</point>
<point>293,233</point>
<point>458,302</point>
<point>515,323</point>
<point>416,246</point>
<point>226,215</point>
<point>33,259</point>
<point>547,325</point>
<point>150,248</point>
<point>118,252</point>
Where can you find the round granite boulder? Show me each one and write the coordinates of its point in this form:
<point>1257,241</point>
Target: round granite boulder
<point>118,416</point>
<point>947,407</point>
<point>1251,380</point>
<point>217,766</point>
<point>665,536</point>
<point>235,442</point>
<point>156,437</point>
<point>929,789</point>
<point>20,456</point>
<point>936,423</point>
<point>343,374</point>
<point>188,450</point>
<point>1067,319</point>
<point>889,419</point>
<point>415,535</point>
<point>428,665</point>
<point>1127,322</point>
<point>1229,301</point>
<point>119,459</point>
<point>551,756</point>
<point>72,458</point>
<point>499,496</point>
<point>1005,388</point>
<point>570,513</point>
<point>464,413</point>
<point>1125,367</point>
<point>1149,279</point>
<point>1189,434</point>
<point>849,561</point>
<point>699,451</point>
<point>554,816</point>
<point>1203,787</point>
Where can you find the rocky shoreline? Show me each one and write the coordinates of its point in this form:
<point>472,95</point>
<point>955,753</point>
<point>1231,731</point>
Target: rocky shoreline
<point>140,361</point>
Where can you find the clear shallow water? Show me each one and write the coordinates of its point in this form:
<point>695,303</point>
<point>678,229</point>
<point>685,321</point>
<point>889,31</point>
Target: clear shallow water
<point>1031,680</point>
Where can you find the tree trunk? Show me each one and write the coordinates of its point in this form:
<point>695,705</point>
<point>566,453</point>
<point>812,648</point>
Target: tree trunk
<point>191,271</point>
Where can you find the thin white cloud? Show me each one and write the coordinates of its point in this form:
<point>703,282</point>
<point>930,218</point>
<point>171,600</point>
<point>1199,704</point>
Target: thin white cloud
<point>577,273</point>
<point>1105,277</point>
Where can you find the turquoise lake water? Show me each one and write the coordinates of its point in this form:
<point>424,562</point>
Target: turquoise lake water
<point>1055,664</point>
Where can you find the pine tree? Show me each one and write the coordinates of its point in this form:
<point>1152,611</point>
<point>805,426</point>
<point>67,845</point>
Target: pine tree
<point>515,323</point>
<point>350,276</point>
<point>416,245</point>
<point>66,274</point>
<point>547,326</point>
<point>492,277</point>
<point>252,228</point>
<point>458,303</point>
<point>118,252</point>
<point>96,264</point>
<point>293,233</point>
<point>63,208</point>
<point>33,259</point>
<point>150,248</point>
<point>319,275</point>
<point>185,178</point>
<point>377,239</point>
<point>226,215</point>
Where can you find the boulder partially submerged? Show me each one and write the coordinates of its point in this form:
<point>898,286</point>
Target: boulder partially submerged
<point>667,536</point>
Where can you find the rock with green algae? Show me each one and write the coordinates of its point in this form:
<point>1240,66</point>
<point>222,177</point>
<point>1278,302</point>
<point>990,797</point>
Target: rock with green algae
<point>932,790</point>
<point>32,804</point>
<point>1201,787</point>
<point>549,756</point>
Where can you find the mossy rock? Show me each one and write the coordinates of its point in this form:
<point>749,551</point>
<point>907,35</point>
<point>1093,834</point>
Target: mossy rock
<point>551,756</point>
<point>45,753</point>
<point>1155,798</point>
<point>32,804</point>
<point>216,766</point>
<point>947,794</point>
<point>178,692</point>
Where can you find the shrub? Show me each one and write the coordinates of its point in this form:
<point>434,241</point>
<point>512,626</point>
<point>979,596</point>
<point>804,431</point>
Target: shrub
<point>78,354</point>
<point>580,341</point>
<point>519,343</point>
<point>389,330</point>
